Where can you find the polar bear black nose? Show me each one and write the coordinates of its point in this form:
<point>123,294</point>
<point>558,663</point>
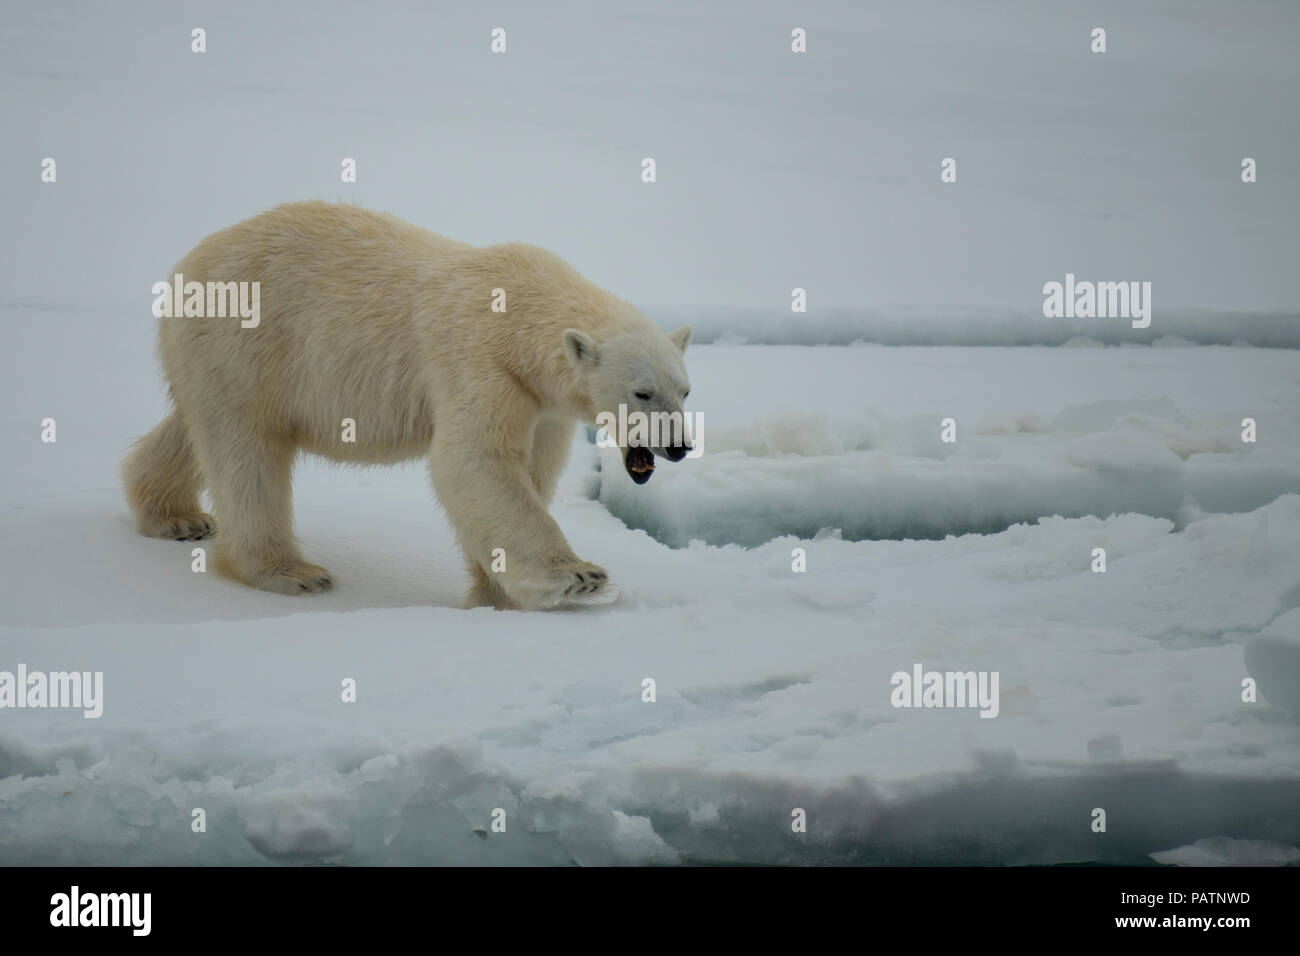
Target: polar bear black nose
<point>677,452</point>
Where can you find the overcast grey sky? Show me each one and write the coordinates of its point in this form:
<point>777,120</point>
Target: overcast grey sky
<point>775,169</point>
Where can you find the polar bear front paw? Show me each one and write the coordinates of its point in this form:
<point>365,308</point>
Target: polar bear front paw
<point>573,582</point>
<point>587,580</point>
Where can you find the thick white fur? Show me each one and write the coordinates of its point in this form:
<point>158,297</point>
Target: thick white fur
<point>366,317</point>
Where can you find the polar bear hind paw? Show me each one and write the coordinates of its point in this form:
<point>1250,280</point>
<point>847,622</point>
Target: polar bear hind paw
<point>292,577</point>
<point>191,527</point>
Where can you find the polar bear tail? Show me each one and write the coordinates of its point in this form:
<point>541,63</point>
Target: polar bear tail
<point>162,479</point>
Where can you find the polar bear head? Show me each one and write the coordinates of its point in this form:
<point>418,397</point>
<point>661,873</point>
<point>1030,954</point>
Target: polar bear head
<point>635,382</point>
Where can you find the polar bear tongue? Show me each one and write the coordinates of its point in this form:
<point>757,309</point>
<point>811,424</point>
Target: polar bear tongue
<point>640,463</point>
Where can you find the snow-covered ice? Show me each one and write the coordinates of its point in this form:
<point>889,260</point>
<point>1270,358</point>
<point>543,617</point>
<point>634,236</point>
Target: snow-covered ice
<point>973,326</point>
<point>1224,852</point>
<point>864,454</point>
<point>1119,690</point>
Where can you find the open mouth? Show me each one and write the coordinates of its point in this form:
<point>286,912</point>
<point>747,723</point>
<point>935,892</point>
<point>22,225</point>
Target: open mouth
<point>640,463</point>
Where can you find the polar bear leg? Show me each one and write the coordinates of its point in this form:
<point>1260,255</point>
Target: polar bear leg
<point>550,451</point>
<point>484,590</point>
<point>551,442</point>
<point>250,477</point>
<point>162,480</point>
<point>492,502</point>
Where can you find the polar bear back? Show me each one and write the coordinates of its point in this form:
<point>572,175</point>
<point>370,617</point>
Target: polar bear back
<point>366,317</point>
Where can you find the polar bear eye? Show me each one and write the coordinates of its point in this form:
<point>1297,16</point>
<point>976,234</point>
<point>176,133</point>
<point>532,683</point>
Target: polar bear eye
<point>644,396</point>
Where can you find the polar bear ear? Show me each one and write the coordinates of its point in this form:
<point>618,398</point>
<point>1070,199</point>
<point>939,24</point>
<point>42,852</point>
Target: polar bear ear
<point>681,338</point>
<point>580,348</point>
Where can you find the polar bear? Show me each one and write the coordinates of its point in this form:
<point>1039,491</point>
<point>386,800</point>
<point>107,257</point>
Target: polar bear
<point>482,359</point>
